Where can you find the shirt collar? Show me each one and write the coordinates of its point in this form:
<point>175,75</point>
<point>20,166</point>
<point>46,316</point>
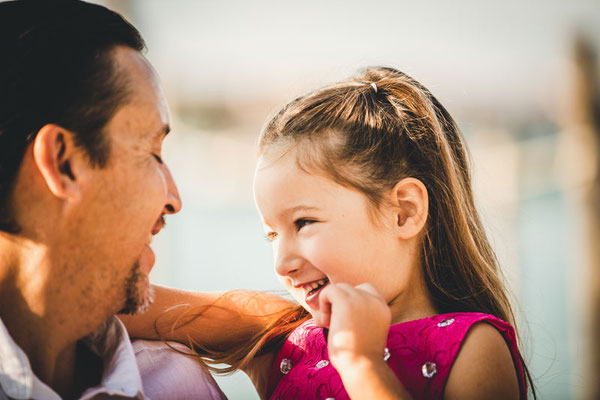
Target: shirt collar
<point>109,341</point>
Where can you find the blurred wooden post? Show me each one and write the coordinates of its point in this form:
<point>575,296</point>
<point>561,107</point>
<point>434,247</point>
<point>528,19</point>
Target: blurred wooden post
<point>584,121</point>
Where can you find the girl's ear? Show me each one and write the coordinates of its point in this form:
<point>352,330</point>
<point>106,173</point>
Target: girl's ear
<point>411,202</point>
<point>58,159</point>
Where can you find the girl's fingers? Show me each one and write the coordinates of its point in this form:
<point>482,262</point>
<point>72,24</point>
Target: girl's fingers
<point>367,287</point>
<point>330,294</point>
<point>346,288</point>
<point>322,316</point>
<point>342,294</point>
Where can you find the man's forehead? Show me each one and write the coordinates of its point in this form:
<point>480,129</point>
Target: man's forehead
<point>144,116</point>
<point>146,104</point>
<point>131,60</point>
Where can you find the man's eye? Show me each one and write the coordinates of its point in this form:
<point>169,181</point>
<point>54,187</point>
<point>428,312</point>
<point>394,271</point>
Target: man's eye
<point>157,157</point>
<point>302,222</point>
<point>271,236</point>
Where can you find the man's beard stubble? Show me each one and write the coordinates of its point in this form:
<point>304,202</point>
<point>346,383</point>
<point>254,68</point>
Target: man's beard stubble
<point>138,292</point>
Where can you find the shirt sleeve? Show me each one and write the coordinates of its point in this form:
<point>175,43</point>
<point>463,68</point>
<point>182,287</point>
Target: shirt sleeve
<point>167,374</point>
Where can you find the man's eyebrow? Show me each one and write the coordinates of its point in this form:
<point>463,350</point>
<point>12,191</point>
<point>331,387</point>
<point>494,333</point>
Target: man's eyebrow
<point>163,131</point>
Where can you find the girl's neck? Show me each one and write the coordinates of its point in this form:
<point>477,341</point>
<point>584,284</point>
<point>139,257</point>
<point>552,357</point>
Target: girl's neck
<point>416,312</point>
<point>413,303</point>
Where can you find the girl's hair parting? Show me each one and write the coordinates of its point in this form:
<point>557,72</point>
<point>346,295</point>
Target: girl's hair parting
<point>368,133</point>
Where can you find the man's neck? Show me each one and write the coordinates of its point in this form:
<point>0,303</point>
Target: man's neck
<point>41,317</point>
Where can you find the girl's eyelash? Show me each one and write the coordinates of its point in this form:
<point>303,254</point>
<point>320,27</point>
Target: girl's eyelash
<point>271,236</point>
<point>302,222</point>
<point>157,157</point>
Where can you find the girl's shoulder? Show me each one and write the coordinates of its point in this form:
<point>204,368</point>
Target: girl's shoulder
<point>422,352</point>
<point>442,329</point>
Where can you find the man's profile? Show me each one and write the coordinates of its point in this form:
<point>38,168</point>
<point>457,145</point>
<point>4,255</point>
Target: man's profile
<point>83,189</point>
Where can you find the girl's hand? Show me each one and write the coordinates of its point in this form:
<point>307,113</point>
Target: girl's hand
<point>358,319</point>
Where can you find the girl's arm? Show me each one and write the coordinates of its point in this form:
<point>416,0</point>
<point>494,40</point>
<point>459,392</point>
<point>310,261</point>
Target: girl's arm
<point>484,368</point>
<point>219,320</point>
<point>214,320</point>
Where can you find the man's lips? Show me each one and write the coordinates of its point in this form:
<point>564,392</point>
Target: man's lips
<point>147,257</point>
<point>160,223</point>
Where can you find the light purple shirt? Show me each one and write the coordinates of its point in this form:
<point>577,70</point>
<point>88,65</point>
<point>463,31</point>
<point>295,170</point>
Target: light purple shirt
<point>167,374</point>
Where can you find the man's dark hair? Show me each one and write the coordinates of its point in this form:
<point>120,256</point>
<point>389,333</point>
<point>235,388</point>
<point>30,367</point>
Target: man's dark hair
<point>56,67</point>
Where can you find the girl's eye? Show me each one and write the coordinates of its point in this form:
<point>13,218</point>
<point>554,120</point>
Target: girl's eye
<point>271,236</point>
<point>302,222</point>
<point>157,157</point>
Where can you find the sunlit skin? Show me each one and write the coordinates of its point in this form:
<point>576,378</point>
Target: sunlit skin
<point>85,229</point>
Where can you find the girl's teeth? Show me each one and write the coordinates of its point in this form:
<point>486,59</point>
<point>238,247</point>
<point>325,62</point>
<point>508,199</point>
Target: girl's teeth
<point>316,284</point>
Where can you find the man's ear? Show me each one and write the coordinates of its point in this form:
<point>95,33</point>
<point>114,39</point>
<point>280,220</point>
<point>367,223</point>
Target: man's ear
<point>411,204</point>
<point>57,159</point>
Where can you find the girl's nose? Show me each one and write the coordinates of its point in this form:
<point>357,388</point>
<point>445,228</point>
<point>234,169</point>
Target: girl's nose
<point>287,261</point>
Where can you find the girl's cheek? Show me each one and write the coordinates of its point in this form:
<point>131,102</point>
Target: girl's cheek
<point>319,253</point>
<point>287,285</point>
<point>297,294</point>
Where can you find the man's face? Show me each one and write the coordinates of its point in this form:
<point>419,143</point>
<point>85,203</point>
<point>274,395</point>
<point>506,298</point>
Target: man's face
<point>125,201</point>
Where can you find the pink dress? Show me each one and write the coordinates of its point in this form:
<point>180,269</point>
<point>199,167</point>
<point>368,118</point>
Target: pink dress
<point>420,353</point>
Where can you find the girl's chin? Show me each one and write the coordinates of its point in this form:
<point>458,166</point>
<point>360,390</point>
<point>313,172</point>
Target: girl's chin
<point>302,302</point>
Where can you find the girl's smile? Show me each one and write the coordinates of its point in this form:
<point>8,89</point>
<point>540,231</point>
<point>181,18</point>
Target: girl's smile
<point>312,290</point>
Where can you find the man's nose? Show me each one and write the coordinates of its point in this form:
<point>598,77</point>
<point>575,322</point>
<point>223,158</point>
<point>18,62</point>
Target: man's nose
<point>173,204</point>
<point>287,261</point>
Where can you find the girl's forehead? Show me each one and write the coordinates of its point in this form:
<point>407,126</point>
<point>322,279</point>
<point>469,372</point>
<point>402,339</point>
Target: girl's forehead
<point>285,173</point>
<point>283,188</point>
<point>281,178</point>
<point>283,181</point>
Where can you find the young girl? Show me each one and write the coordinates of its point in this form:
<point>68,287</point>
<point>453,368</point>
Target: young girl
<point>365,193</point>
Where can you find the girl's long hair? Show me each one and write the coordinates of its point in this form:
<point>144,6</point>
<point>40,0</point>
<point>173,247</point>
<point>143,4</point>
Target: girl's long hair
<point>368,133</point>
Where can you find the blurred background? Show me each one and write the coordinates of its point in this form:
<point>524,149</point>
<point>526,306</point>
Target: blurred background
<point>521,78</point>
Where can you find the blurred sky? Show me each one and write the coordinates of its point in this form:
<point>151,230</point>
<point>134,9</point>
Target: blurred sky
<point>470,51</point>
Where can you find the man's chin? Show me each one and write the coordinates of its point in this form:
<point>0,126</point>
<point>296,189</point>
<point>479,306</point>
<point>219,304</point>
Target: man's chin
<point>139,294</point>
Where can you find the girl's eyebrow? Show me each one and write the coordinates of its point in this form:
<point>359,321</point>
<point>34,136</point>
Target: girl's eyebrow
<point>301,207</point>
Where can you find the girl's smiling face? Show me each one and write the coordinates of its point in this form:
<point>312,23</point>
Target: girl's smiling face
<point>323,232</point>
